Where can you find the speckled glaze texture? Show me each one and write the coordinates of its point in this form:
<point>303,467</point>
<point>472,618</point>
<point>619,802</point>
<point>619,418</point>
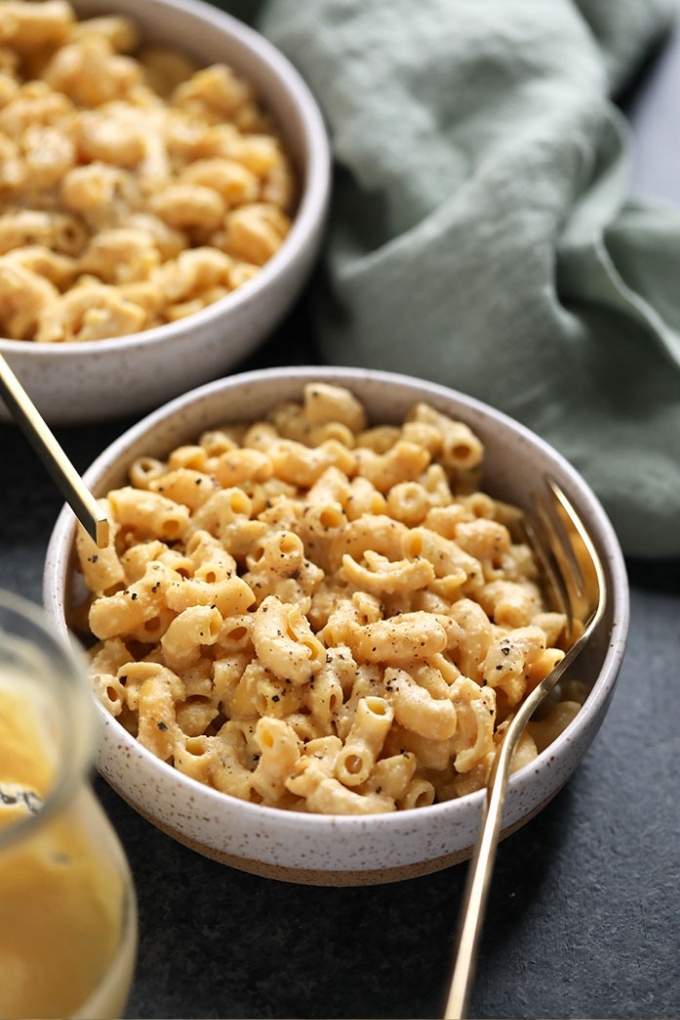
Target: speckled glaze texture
<point>97,380</point>
<point>346,850</point>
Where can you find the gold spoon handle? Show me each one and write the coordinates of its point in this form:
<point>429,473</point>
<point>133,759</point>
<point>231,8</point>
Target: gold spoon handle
<point>70,484</point>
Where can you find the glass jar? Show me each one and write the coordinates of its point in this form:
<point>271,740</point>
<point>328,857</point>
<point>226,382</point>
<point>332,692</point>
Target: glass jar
<point>68,916</point>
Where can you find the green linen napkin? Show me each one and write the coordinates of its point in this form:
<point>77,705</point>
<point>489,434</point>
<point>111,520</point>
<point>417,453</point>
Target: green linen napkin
<point>481,234</point>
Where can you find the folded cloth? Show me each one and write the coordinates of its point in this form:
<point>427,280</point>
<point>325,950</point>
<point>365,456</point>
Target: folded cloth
<point>481,234</point>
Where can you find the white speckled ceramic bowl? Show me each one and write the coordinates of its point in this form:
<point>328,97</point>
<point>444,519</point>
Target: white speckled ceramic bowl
<point>95,380</point>
<point>345,850</point>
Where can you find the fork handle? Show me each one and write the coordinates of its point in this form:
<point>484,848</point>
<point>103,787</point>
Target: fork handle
<point>481,865</point>
<point>479,878</point>
<point>43,441</point>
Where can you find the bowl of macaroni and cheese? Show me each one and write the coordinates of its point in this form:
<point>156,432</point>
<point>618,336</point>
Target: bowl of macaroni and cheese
<point>316,615</point>
<point>164,181</point>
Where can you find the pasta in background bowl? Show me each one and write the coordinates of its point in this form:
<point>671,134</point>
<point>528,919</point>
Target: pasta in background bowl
<point>164,185</point>
<point>290,821</point>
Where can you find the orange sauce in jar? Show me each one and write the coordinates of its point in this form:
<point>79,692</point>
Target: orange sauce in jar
<point>62,896</point>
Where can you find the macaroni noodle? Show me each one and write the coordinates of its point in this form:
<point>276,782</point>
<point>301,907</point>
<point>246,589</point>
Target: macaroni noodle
<point>317,623</point>
<point>135,188</point>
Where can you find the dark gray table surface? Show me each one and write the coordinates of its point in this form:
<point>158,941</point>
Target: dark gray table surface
<point>584,915</point>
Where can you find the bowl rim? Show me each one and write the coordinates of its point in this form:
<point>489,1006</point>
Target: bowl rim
<point>311,210</point>
<point>60,551</point>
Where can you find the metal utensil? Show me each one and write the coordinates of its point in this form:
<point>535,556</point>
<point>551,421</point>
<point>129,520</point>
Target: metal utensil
<point>576,578</point>
<point>34,427</point>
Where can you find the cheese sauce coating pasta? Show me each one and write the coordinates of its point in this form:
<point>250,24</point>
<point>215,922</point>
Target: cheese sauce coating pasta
<point>315,613</point>
<point>136,188</point>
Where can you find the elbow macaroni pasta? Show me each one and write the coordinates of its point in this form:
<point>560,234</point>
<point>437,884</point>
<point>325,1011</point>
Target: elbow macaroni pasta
<point>135,188</point>
<point>262,620</point>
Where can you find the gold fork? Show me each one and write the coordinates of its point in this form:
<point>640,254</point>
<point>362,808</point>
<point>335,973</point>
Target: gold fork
<point>576,578</point>
<point>43,441</point>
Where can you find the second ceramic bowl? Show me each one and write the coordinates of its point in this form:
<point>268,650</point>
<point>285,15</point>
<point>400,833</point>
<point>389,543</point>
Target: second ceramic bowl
<point>74,381</point>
